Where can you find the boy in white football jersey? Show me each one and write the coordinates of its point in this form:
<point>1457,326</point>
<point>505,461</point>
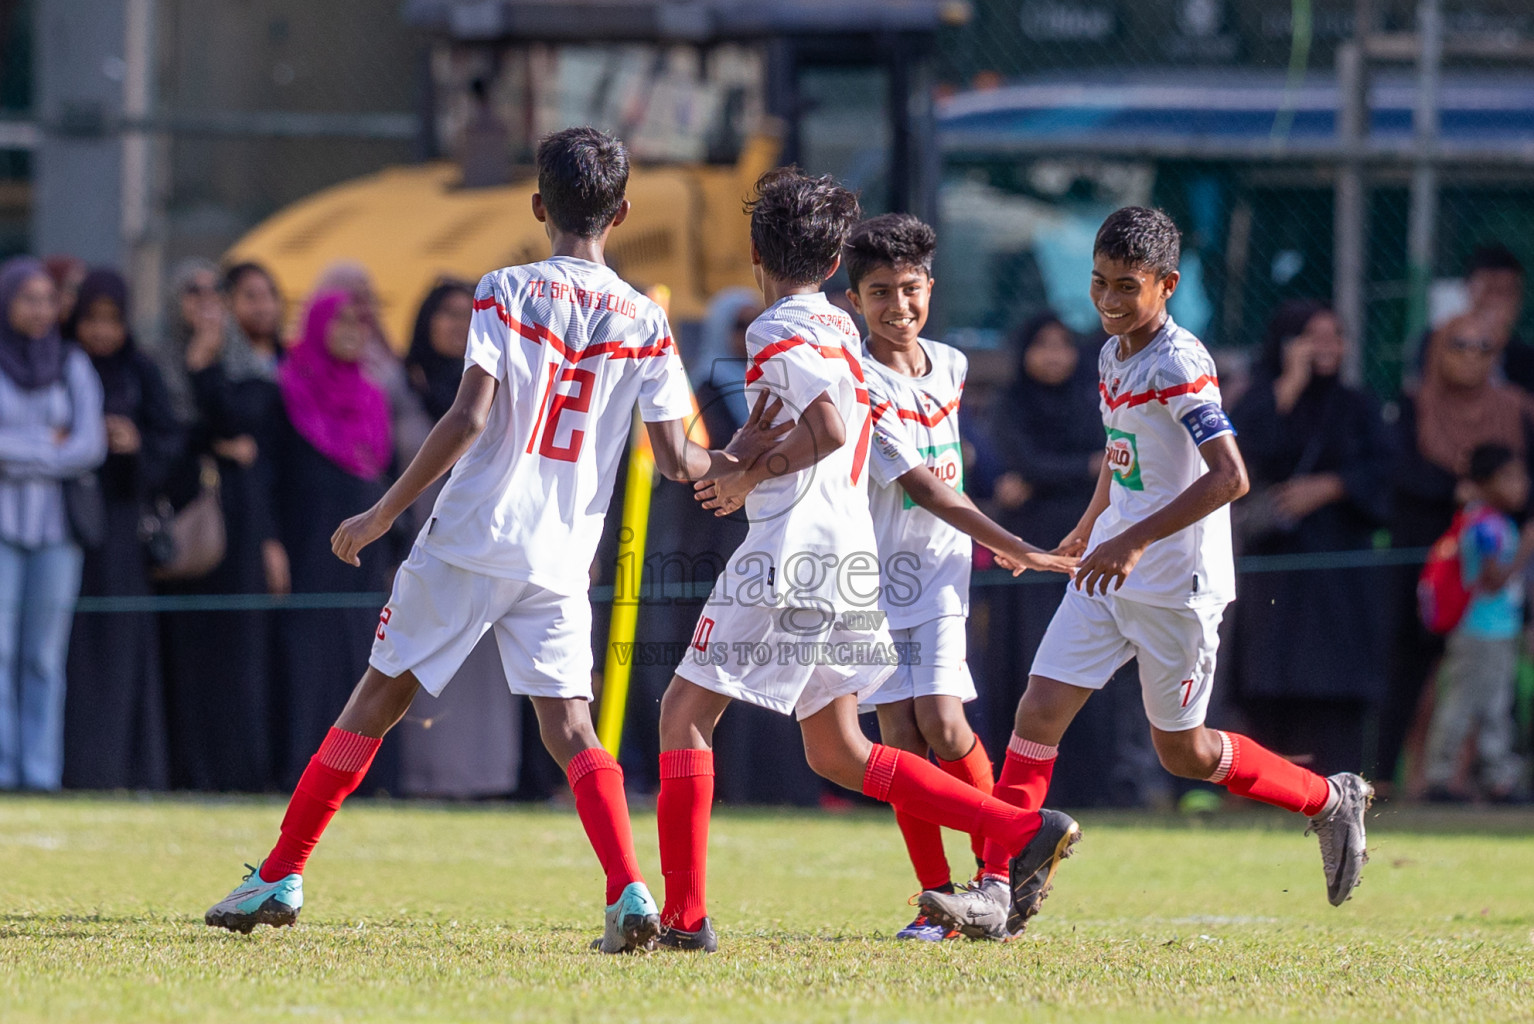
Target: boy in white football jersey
<point>1157,573</point>
<point>559,353</point>
<point>792,623</point>
<point>923,522</point>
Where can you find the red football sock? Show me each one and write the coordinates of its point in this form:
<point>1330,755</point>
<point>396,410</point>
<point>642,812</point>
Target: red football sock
<point>924,842</point>
<point>1024,782</point>
<point>917,788</point>
<point>597,782</point>
<point>681,813</point>
<point>1251,770</point>
<point>975,769</point>
<point>333,773</point>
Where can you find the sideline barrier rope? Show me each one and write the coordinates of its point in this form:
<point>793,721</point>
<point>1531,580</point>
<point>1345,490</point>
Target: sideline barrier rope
<point>1337,560</point>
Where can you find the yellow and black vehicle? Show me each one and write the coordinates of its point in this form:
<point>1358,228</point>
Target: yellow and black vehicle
<point>706,93</point>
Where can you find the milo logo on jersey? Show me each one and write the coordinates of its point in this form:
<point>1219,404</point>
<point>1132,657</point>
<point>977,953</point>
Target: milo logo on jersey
<point>947,463</point>
<point>1123,456</point>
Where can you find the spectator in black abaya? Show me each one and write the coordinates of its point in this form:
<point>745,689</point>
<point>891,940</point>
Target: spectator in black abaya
<point>464,744</point>
<point>434,363</point>
<point>433,368</point>
<point>335,451</point>
<point>114,711</point>
<point>1308,646</point>
<point>1049,433</point>
<point>222,370</point>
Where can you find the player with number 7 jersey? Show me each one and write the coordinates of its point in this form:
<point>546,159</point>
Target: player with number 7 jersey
<point>559,354</point>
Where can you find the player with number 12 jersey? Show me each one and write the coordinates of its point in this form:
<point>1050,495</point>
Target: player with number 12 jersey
<point>559,353</point>
<point>575,348</point>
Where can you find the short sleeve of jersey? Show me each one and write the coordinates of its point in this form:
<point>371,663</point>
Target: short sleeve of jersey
<point>488,332</point>
<point>794,370</point>
<point>664,393</point>
<point>1189,387</point>
<point>891,455</point>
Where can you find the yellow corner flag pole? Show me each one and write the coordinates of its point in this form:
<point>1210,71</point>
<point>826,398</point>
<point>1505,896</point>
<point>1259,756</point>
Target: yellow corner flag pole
<point>624,624</point>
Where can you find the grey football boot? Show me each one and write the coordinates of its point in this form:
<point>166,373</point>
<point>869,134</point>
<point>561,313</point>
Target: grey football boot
<point>976,911</point>
<point>1343,854</point>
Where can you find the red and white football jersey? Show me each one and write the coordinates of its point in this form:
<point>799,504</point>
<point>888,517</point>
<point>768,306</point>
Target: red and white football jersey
<point>916,423</point>
<point>574,348</point>
<point>811,541</point>
<point>1158,407</point>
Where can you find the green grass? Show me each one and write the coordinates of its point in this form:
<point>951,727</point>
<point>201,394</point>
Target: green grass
<point>421,913</point>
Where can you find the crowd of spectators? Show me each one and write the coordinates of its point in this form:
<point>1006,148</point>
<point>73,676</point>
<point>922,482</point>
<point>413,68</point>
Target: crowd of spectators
<point>206,473</point>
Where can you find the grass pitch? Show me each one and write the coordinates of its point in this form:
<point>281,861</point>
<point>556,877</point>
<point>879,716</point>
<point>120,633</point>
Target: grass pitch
<point>422,913</point>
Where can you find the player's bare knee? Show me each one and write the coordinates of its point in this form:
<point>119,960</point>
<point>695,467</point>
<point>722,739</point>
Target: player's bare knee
<point>945,728</point>
<point>377,703</point>
<point>838,763</point>
<point>1047,708</point>
<point>688,715</point>
<point>564,725</point>
<point>1186,754</point>
<point>898,728</point>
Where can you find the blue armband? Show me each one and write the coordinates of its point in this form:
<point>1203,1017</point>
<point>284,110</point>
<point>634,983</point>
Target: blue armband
<point>1207,422</point>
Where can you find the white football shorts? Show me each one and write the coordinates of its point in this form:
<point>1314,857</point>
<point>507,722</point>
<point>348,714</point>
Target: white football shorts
<point>1091,637</point>
<point>933,663</point>
<point>438,612</point>
<point>789,659</point>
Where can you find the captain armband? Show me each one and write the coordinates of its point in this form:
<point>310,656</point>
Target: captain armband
<point>1207,422</point>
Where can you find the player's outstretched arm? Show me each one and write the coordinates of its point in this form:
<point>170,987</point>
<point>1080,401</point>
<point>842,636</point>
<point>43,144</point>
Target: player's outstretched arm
<point>957,510</point>
<point>818,432</point>
<point>463,422</point>
<point>680,459</point>
<point>1112,560</point>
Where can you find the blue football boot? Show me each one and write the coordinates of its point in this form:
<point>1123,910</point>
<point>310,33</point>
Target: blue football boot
<point>256,902</point>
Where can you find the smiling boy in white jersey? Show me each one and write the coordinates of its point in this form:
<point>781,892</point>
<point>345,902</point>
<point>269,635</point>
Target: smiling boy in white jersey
<point>1158,571</point>
<point>792,623</point>
<point>923,522</point>
<point>559,353</point>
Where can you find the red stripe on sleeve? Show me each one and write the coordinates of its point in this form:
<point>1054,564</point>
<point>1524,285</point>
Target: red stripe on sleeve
<point>1163,396</point>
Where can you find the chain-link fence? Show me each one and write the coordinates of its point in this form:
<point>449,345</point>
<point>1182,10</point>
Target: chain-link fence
<point>1356,150</point>
<point>1351,150</point>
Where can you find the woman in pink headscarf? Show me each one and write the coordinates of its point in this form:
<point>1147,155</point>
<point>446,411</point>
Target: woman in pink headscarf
<point>335,457</point>
<point>329,400</point>
<point>382,364</point>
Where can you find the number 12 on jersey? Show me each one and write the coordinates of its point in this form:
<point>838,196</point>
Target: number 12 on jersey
<point>555,404</point>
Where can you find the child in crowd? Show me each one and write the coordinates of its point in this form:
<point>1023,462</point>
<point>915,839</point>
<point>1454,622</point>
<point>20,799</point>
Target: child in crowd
<point>1481,662</point>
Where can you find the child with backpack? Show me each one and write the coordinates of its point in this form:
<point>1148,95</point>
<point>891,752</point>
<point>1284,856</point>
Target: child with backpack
<point>1472,590</point>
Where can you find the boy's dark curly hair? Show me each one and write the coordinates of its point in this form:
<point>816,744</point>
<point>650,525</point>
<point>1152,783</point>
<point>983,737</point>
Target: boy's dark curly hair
<point>889,240</point>
<point>799,224</point>
<point>1140,237</point>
